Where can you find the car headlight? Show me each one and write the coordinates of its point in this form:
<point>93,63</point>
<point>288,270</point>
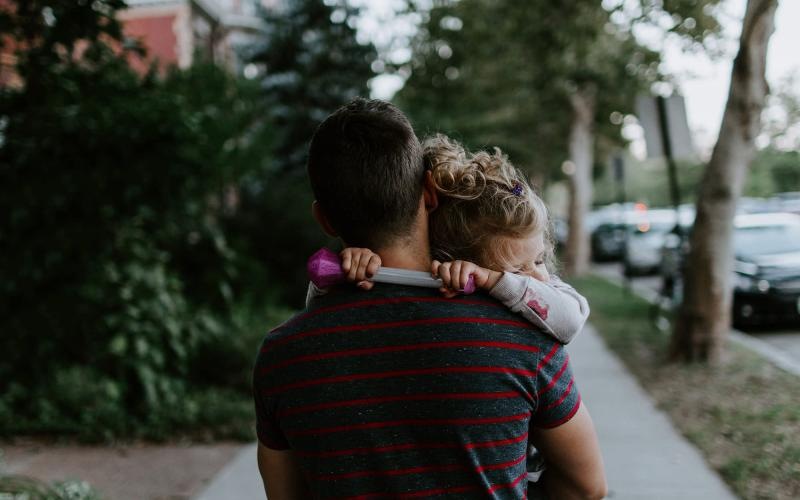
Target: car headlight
<point>747,283</point>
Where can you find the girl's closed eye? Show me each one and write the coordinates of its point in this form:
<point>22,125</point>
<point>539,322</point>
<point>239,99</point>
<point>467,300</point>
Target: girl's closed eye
<point>524,268</point>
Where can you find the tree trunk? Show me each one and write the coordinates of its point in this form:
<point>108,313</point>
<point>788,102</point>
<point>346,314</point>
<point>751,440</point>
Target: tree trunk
<point>705,315</point>
<point>581,154</point>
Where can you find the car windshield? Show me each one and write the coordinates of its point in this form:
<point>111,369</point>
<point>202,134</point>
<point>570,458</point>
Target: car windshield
<point>763,240</point>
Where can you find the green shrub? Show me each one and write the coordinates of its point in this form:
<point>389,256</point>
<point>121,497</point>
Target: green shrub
<point>118,265</point>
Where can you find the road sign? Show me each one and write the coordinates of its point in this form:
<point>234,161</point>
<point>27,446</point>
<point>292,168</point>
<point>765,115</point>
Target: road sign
<point>677,128</point>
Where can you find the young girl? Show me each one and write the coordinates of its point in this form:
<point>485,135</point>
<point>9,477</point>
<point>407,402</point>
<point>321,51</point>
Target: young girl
<point>489,224</point>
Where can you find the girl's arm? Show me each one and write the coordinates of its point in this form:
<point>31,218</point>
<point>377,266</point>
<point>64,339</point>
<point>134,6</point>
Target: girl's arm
<point>553,306</point>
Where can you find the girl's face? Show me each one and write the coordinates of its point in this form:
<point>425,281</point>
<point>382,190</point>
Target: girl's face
<point>527,256</point>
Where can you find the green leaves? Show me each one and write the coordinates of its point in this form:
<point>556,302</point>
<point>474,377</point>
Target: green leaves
<point>117,259</point>
<point>504,77</point>
<point>313,66</point>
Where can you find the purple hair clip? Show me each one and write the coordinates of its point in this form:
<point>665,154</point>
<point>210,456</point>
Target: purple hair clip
<point>517,189</point>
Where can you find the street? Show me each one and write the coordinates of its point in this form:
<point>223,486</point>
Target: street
<point>787,341</point>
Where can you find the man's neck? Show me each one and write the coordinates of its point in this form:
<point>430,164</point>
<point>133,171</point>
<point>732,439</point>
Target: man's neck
<point>405,254</point>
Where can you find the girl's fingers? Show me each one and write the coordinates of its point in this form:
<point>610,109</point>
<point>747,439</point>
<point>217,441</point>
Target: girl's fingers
<point>435,268</point>
<point>373,265</point>
<point>347,259</point>
<point>455,275</point>
<point>351,275</point>
<point>444,274</point>
<point>361,273</point>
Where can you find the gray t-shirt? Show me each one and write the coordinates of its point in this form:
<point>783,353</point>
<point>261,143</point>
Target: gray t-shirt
<point>399,392</point>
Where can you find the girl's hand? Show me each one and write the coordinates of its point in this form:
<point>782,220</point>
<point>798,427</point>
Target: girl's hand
<point>455,274</point>
<point>360,264</point>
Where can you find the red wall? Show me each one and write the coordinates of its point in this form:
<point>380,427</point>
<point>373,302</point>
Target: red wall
<point>157,35</point>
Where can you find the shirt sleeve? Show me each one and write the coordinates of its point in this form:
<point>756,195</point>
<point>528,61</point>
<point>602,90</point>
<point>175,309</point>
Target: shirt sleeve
<point>268,429</point>
<point>557,397</point>
<point>554,306</point>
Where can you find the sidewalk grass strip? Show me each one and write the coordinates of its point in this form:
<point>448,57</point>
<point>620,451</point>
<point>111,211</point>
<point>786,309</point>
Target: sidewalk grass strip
<point>743,415</point>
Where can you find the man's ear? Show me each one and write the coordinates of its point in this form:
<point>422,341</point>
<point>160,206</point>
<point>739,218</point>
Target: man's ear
<point>322,220</point>
<point>429,193</point>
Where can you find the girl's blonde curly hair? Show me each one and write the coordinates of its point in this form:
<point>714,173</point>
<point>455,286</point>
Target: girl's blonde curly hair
<point>484,202</point>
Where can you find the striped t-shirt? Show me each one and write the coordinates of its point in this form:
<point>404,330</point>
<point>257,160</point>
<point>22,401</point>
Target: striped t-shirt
<point>401,393</point>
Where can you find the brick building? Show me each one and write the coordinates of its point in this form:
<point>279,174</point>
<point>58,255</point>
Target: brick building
<point>177,32</point>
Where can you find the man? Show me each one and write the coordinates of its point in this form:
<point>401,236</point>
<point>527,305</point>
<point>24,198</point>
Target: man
<point>401,393</point>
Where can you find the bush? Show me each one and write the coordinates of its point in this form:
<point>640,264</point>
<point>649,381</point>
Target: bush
<point>118,268</point>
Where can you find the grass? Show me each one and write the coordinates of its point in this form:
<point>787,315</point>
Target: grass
<point>743,415</point>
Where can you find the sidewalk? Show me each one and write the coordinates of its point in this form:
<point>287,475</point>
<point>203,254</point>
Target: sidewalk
<point>238,480</point>
<point>645,457</point>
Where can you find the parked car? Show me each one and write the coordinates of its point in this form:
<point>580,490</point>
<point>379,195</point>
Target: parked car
<point>766,280</point>
<point>767,269</point>
<point>608,227</point>
<point>645,240</point>
<point>608,241</point>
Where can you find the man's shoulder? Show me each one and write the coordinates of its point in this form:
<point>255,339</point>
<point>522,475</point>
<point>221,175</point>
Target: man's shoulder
<point>394,300</point>
<point>346,307</point>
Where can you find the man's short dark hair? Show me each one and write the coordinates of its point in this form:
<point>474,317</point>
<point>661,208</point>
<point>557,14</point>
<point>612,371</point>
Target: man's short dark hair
<point>366,170</point>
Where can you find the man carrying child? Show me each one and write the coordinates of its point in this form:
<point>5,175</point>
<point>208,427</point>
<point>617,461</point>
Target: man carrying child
<point>401,392</point>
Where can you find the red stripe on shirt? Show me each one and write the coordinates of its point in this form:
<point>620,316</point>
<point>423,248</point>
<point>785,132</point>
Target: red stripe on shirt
<point>417,470</point>
<point>555,378</point>
<point>414,446</point>
<point>547,358</point>
<point>512,484</point>
<point>387,301</point>
<point>398,373</point>
<point>413,494</point>
<point>399,348</point>
<point>397,324</point>
<point>565,419</point>
<point>402,397</point>
<point>560,400</point>
<point>410,422</point>
<point>391,472</point>
<point>503,465</point>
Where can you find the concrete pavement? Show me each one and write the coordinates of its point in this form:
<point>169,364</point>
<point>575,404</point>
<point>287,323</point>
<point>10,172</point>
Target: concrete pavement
<point>239,480</point>
<point>645,457</point>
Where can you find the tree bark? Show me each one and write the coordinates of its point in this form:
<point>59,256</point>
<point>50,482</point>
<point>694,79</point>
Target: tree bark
<point>704,318</point>
<point>581,155</point>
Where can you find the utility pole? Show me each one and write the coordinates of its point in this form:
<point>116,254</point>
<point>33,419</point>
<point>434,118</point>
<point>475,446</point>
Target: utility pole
<point>666,142</point>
